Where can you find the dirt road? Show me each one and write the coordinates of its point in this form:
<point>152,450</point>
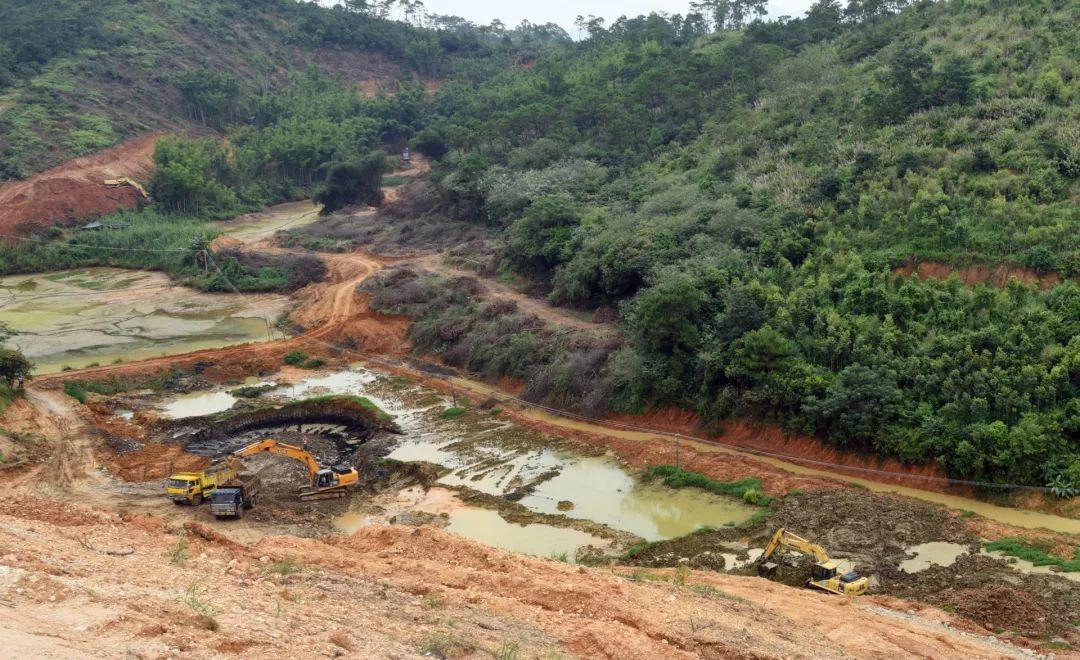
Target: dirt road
<point>76,189</point>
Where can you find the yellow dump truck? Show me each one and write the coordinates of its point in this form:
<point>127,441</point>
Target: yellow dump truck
<point>194,487</point>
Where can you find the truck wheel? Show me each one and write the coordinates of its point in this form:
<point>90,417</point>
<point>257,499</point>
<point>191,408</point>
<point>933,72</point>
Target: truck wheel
<point>197,500</point>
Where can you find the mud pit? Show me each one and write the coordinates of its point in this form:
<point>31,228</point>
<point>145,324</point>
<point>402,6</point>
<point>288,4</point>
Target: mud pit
<point>77,318</point>
<point>908,549</point>
<point>518,489</point>
<point>488,479</point>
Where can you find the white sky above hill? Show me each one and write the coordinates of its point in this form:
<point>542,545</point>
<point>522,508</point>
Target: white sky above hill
<point>563,12</point>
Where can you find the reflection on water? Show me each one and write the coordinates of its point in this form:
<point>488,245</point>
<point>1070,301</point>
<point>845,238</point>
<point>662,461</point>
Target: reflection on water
<point>488,527</point>
<point>935,553</point>
<point>198,404</point>
<point>496,457</point>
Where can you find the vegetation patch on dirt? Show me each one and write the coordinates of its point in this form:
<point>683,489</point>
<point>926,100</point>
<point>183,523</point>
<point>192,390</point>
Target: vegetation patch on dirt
<point>1035,552</point>
<point>496,339</point>
<point>415,221</point>
<point>174,380</point>
<point>275,271</point>
<point>748,489</point>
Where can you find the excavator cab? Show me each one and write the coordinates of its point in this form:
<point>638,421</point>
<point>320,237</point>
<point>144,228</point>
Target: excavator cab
<point>325,478</point>
<point>823,571</point>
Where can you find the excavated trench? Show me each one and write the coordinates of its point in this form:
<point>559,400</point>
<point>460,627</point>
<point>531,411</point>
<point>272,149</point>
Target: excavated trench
<point>348,421</point>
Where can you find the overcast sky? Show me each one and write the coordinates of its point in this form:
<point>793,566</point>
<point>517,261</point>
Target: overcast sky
<point>563,12</point>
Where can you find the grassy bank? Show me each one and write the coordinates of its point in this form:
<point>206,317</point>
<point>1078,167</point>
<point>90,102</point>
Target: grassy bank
<point>1032,552</point>
<point>151,240</point>
<point>749,489</point>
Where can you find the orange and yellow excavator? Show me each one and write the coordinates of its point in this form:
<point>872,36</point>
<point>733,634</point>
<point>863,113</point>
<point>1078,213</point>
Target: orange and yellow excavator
<point>825,574</point>
<point>326,482</point>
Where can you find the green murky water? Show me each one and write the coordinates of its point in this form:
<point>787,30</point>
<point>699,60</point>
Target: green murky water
<point>494,456</point>
<point>103,315</point>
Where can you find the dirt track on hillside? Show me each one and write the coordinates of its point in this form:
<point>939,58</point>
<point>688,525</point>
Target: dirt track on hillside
<point>75,190</point>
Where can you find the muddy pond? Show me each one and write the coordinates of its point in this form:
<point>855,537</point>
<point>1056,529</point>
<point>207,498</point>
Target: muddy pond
<point>77,318</point>
<point>560,500</point>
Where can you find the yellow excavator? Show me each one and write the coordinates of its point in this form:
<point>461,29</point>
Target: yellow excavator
<point>125,181</point>
<point>326,482</point>
<point>823,576</point>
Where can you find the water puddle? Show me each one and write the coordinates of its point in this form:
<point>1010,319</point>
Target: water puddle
<point>488,527</point>
<point>1025,566</point>
<point>78,318</point>
<point>493,456</point>
<point>198,404</point>
<point>935,553</point>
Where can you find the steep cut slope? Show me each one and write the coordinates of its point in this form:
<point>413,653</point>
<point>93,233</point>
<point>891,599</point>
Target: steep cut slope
<point>76,189</point>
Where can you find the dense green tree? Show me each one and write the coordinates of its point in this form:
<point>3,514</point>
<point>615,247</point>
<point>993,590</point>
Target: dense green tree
<point>14,367</point>
<point>353,183</point>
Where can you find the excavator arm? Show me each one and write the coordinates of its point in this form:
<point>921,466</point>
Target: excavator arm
<point>282,449</point>
<point>784,538</point>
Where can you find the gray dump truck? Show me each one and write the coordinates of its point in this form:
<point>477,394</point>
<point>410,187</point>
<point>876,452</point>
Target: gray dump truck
<point>230,500</point>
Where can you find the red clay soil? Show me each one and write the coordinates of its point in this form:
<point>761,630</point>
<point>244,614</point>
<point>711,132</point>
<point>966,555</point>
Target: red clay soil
<point>75,190</point>
<point>151,463</point>
<point>792,447</point>
<point>997,275</point>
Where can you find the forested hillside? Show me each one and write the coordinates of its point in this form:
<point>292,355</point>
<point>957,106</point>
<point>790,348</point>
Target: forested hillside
<point>744,195</point>
<point>743,192</point>
<point>78,75</point>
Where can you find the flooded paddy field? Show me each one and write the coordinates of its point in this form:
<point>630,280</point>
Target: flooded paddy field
<point>77,318</point>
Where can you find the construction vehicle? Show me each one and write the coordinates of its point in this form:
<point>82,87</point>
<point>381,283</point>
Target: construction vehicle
<point>824,574</point>
<point>230,500</point>
<point>125,181</point>
<point>194,487</point>
<point>326,482</point>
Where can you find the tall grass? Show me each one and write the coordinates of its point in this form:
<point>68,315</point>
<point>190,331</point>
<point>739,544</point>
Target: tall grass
<point>749,489</point>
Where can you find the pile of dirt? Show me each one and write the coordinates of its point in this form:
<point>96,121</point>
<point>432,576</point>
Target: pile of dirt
<point>76,189</point>
<point>1004,608</point>
<point>870,528</point>
<point>987,591</point>
<point>151,462</point>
